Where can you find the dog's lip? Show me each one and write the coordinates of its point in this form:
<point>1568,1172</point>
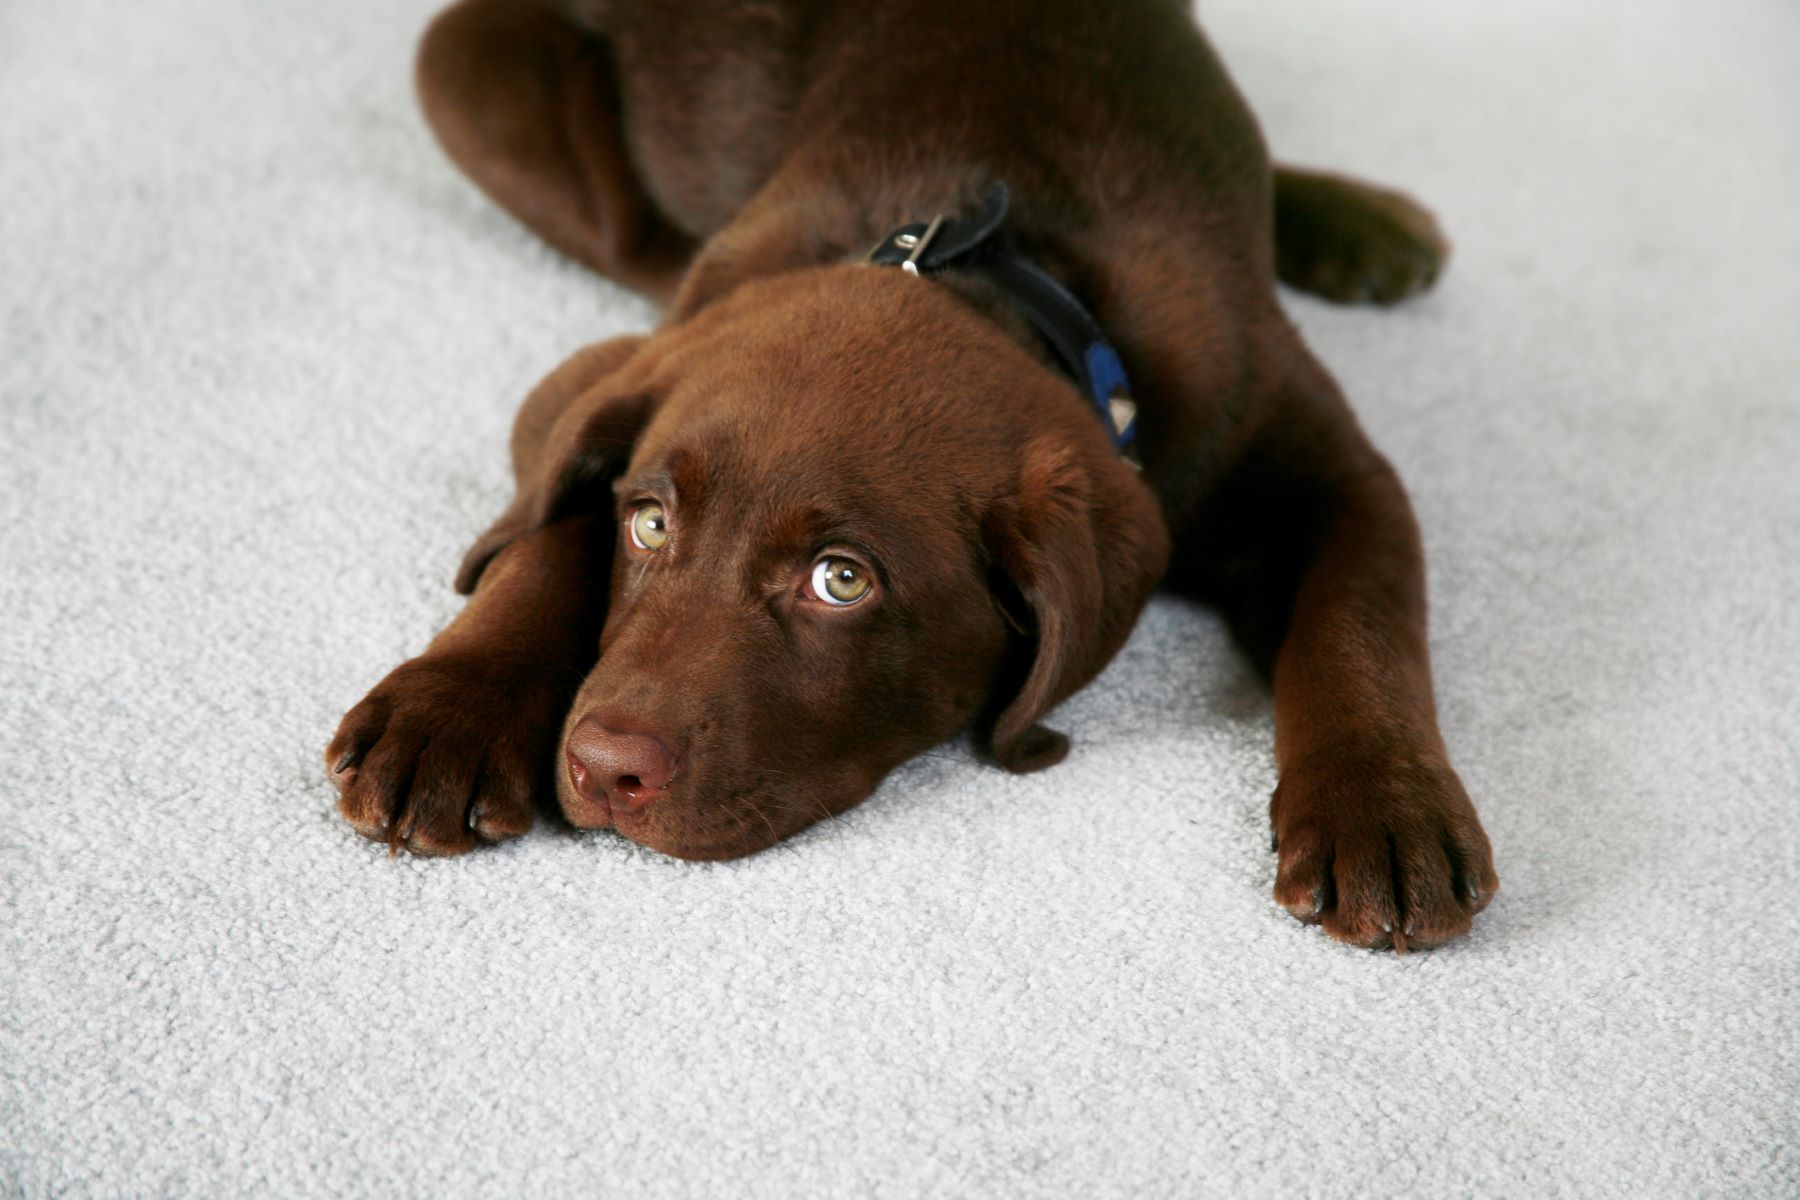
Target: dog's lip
<point>700,849</point>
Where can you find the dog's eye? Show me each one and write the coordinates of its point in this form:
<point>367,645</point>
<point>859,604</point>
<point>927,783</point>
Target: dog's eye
<point>838,581</point>
<point>648,526</point>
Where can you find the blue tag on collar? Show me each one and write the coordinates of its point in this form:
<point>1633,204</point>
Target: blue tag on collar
<point>1111,394</point>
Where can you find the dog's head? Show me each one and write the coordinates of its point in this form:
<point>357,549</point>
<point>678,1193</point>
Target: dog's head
<point>852,519</point>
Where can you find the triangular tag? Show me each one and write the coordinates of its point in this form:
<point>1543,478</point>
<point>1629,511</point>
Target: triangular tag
<point>1123,413</point>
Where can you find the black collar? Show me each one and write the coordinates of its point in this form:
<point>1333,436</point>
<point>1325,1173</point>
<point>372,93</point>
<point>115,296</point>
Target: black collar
<point>977,243</point>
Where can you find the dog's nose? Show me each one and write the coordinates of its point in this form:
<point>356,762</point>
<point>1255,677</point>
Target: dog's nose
<point>626,770</point>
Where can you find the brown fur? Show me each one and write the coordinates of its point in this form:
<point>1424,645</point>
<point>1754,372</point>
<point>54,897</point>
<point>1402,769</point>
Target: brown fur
<point>734,161</point>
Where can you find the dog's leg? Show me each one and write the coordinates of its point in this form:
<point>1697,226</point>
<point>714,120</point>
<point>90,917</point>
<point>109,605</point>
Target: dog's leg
<point>1312,550</point>
<point>1377,839</point>
<point>526,104</point>
<point>1353,242</point>
<point>451,749</point>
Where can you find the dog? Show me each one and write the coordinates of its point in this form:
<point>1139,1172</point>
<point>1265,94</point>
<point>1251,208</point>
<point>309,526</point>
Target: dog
<point>971,341</point>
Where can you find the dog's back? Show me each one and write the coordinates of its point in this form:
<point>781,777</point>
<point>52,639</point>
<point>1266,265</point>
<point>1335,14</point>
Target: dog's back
<point>1090,108</point>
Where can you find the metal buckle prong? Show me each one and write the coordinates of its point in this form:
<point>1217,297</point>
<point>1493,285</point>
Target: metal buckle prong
<point>919,246</point>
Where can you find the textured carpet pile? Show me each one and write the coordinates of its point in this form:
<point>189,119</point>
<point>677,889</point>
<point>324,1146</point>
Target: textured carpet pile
<point>259,349</point>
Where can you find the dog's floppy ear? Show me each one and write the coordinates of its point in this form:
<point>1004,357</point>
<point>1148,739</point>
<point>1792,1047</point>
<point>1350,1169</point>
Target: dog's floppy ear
<point>525,101</point>
<point>1083,544</point>
<point>572,435</point>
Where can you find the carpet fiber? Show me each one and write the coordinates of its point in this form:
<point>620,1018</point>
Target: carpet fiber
<point>261,346</point>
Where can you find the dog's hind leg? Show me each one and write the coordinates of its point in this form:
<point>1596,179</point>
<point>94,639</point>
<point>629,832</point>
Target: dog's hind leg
<point>1353,242</point>
<point>526,104</point>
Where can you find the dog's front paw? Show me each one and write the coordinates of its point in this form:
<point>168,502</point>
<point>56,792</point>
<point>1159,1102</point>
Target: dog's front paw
<point>441,756</point>
<point>1383,851</point>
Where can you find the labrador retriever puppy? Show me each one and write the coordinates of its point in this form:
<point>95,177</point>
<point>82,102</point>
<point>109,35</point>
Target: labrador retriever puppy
<point>843,504</point>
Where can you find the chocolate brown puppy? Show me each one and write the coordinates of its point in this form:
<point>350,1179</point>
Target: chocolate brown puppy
<point>833,511</point>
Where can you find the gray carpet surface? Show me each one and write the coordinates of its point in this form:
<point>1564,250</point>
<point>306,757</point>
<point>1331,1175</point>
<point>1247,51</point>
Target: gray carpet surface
<point>261,346</point>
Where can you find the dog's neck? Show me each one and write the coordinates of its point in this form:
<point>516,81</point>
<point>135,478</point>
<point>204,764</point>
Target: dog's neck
<point>1014,273</point>
<point>979,245</point>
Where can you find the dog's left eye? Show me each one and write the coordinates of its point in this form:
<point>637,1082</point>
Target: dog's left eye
<point>648,526</point>
<point>839,581</point>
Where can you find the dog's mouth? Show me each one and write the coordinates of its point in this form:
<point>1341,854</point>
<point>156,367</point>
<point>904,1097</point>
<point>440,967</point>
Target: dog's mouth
<point>687,820</point>
<point>735,831</point>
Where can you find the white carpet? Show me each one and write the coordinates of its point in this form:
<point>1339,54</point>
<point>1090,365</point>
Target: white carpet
<point>260,350</point>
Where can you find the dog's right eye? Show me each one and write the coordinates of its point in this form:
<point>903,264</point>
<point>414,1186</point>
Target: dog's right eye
<point>648,526</point>
<point>839,582</point>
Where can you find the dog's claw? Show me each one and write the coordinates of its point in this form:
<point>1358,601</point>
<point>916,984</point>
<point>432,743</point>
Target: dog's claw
<point>348,759</point>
